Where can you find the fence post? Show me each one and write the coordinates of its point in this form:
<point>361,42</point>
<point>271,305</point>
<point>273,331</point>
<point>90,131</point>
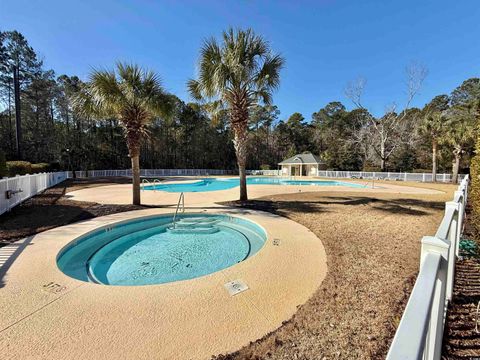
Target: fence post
<point>454,238</point>
<point>461,213</point>
<point>423,177</point>
<point>433,348</point>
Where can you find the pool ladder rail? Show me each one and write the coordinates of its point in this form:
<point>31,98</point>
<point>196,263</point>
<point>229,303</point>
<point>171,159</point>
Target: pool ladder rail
<point>155,181</point>
<point>181,201</point>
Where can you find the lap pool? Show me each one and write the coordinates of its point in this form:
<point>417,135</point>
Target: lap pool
<point>216,184</point>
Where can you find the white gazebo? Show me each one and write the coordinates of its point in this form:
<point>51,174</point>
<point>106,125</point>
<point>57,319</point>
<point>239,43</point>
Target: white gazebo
<point>301,165</point>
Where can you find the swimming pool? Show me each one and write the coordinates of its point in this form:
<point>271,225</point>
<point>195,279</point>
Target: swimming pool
<point>154,251</point>
<point>216,184</point>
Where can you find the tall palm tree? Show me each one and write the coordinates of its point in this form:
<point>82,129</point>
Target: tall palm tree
<point>433,126</point>
<point>460,132</point>
<point>234,76</point>
<point>132,95</point>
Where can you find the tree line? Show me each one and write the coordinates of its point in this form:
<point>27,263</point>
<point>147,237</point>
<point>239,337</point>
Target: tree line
<point>39,123</point>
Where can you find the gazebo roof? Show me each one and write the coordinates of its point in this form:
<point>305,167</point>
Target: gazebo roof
<point>307,158</point>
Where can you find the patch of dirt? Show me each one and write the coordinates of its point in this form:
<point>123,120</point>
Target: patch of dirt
<point>461,339</point>
<point>373,250</point>
<point>52,208</point>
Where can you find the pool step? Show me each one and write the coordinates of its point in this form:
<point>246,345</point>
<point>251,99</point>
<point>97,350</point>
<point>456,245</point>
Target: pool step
<point>193,230</point>
<point>198,220</point>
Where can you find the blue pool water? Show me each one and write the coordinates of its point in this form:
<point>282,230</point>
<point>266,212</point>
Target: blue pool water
<point>151,251</point>
<point>224,184</point>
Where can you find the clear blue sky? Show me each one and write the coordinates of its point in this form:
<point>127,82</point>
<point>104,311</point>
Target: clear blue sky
<point>326,43</point>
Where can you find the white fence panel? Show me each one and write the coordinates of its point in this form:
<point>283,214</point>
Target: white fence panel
<point>420,332</point>
<point>150,172</point>
<point>394,176</point>
<point>17,189</point>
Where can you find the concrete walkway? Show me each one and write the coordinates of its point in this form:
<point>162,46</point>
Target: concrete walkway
<point>122,194</point>
<point>48,315</point>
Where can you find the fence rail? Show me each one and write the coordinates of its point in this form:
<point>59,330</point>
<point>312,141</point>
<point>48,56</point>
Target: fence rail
<point>17,189</point>
<point>396,176</point>
<point>420,332</point>
<point>150,172</point>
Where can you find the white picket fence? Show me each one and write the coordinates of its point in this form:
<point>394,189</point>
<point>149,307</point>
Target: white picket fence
<point>420,332</point>
<point>16,189</point>
<point>396,176</point>
<point>150,172</point>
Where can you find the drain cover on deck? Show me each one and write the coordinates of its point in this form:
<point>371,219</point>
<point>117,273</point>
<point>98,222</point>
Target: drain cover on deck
<point>235,287</point>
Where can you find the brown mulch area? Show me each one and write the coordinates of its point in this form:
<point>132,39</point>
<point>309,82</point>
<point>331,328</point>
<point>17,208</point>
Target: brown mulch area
<point>373,249</point>
<point>461,340</point>
<point>52,208</point>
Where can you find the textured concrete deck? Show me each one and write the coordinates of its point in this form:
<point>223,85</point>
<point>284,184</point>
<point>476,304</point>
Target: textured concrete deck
<point>121,194</point>
<point>48,315</point>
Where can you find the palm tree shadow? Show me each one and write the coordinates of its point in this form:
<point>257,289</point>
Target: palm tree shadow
<point>405,206</point>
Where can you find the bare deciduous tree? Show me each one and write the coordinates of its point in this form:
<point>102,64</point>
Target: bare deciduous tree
<point>385,130</point>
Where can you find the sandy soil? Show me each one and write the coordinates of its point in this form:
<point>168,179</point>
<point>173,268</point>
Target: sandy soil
<point>373,248</point>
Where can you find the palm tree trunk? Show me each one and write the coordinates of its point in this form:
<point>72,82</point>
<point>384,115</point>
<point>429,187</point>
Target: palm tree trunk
<point>456,166</point>
<point>136,178</point>
<point>434,160</point>
<point>240,142</point>
<point>239,124</point>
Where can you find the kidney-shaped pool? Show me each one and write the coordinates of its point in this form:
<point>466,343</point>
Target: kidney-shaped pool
<point>154,250</point>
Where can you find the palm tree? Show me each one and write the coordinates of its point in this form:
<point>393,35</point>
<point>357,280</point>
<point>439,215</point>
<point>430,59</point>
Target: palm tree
<point>433,126</point>
<point>460,133</point>
<point>132,95</point>
<point>235,76</point>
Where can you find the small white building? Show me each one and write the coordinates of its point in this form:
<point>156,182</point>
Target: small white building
<point>302,165</point>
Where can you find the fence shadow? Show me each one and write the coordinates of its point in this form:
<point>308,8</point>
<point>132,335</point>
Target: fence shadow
<point>8,255</point>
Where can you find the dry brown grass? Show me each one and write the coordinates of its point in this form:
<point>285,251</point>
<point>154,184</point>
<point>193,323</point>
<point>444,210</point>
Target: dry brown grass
<point>373,247</point>
<point>52,208</point>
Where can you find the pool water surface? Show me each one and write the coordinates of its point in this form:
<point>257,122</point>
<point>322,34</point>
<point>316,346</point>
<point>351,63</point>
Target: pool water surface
<point>217,184</point>
<point>154,251</point>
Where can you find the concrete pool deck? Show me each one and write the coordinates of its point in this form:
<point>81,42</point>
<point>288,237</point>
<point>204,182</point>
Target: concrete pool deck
<point>48,315</point>
<point>121,194</point>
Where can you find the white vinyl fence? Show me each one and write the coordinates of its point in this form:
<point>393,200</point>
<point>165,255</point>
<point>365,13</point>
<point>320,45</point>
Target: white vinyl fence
<point>386,175</point>
<point>150,172</point>
<point>396,176</point>
<point>419,334</point>
<point>16,189</point>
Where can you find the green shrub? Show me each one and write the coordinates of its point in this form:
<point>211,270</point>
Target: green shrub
<point>54,166</point>
<point>3,165</point>
<point>264,167</point>
<point>40,167</point>
<point>420,171</point>
<point>19,168</point>
<point>369,167</point>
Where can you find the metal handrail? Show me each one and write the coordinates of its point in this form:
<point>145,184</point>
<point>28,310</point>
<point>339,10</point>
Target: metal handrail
<point>154,182</point>
<point>145,181</point>
<point>182,200</point>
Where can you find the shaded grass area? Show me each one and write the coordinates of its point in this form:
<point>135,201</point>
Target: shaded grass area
<point>52,208</point>
<point>373,249</point>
